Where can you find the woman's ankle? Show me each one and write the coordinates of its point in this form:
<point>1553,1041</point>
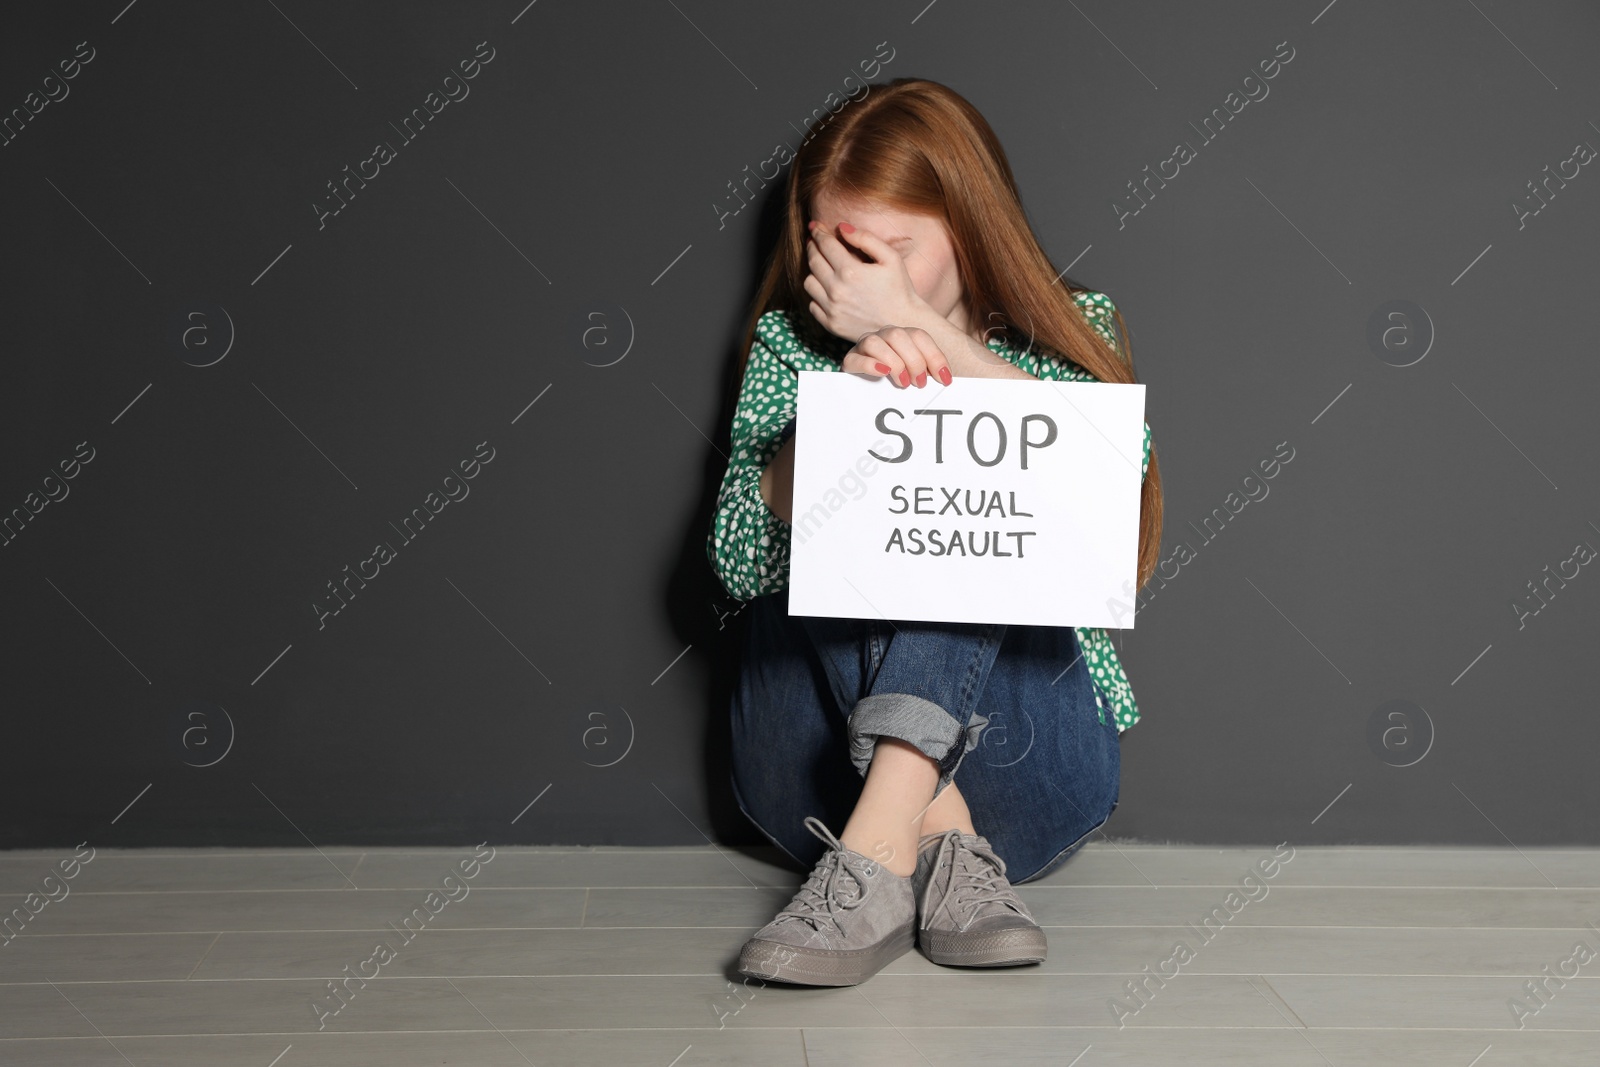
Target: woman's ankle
<point>897,857</point>
<point>887,818</point>
<point>947,812</point>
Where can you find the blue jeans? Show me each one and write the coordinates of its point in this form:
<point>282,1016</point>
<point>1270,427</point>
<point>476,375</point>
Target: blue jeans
<point>1007,712</point>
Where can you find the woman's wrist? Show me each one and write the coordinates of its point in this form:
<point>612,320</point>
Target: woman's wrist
<point>968,358</point>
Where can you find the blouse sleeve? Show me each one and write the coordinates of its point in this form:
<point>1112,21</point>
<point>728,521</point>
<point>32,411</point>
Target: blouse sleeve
<point>1097,309</point>
<point>1106,325</point>
<point>749,545</point>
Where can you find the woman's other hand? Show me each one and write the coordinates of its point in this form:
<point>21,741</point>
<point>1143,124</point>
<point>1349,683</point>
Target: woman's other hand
<point>906,355</point>
<point>851,297</point>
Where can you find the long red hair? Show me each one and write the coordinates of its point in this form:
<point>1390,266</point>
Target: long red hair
<point>917,146</point>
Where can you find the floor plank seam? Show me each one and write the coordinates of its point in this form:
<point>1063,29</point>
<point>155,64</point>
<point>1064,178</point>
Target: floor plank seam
<point>203,956</point>
<point>1301,1023</point>
<point>1582,980</point>
<point>887,1029</point>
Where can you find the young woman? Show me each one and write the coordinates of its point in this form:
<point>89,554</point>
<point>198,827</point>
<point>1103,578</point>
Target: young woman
<point>905,253</point>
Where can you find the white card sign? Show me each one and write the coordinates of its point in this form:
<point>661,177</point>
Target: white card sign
<point>987,500</point>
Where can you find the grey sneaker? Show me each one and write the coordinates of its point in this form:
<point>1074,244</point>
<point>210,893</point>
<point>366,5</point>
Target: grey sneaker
<point>850,919</point>
<point>968,914</point>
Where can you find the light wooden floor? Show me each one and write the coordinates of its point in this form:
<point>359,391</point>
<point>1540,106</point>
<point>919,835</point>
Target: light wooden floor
<point>607,956</point>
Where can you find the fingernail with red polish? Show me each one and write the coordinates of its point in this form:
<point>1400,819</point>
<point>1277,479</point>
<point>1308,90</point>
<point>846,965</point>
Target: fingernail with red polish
<point>905,377</point>
<point>944,375</point>
<point>846,227</point>
<point>922,379</point>
<point>881,368</point>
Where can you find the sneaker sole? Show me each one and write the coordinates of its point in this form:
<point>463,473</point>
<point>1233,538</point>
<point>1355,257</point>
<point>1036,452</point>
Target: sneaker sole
<point>1005,948</point>
<point>798,965</point>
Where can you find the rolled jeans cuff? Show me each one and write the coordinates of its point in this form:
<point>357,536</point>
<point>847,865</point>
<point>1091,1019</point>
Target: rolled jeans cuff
<point>926,726</point>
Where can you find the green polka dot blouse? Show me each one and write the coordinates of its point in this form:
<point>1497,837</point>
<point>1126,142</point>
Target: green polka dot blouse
<point>749,545</point>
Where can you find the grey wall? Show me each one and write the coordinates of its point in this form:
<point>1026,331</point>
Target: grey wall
<point>553,275</point>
